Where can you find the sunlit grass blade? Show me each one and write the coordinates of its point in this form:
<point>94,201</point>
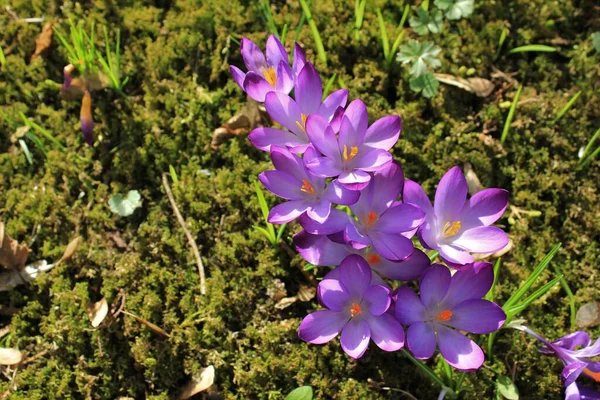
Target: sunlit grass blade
<point>433,255</point>
<point>359,13</point>
<point>266,233</point>
<point>173,174</point>
<point>512,311</point>
<point>42,131</point>
<point>570,295</point>
<point>25,149</point>
<point>590,158</point>
<point>566,107</point>
<point>2,57</point>
<point>491,294</point>
<point>280,232</point>
<point>265,8</point>
<point>585,159</point>
<point>501,40</point>
<point>342,83</point>
<point>301,23</point>
<point>38,143</point>
<point>510,116</point>
<point>540,48</point>
<point>539,269</point>
<point>315,32</point>
<point>383,34</point>
<point>264,207</point>
<point>400,36</point>
<point>328,86</point>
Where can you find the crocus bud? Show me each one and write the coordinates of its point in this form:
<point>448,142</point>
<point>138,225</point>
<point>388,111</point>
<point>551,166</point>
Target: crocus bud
<point>87,123</point>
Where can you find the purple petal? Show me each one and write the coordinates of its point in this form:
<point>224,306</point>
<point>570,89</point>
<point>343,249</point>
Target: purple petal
<point>400,218</point>
<point>286,161</point>
<point>336,119</point>
<point>483,239</point>
<point>458,350</point>
<point>572,371</point>
<point>383,133</point>
<point>413,193</point>
<point>323,137</point>
<point>409,308</point>
<point>450,195</point>
<point>386,332</point>
<point>323,167</point>
<point>332,104</point>
<point>584,392</point>
<point>392,246</point>
<point>309,90</point>
<point>284,80</point>
<point>238,75</point>
<point>275,51</point>
<point>377,299</point>
<point>355,275</point>
<point>319,250</point>
<point>434,285</point>
<point>385,188</point>
<point>354,124</point>
<point>287,212</point>
<point>469,284</point>
<point>284,110</point>
<point>336,222</point>
<point>420,339</point>
<point>319,211</point>
<point>334,295</point>
<point>263,138</point>
<point>281,184</point>
<point>252,55</point>
<point>572,340</point>
<point>484,208</point>
<point>321,326</point>
<point>354,236</point>
<point>406,270</point>
<point>256,86</point>
<point>354,180</point>
<point>369,159</point>
<point>454,255</point>
<point>299,60</point>
<point>477,316</point>
<point>338,194</point>
<point>355,338</point>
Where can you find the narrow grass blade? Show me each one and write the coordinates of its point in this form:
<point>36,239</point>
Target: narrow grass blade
<point>383,34</point>
<point>42,131</point>
<point>517,295</point>
<point>173,174</point>
<point>301,23</point>
<point>266,234</point>
<point>590,158</point>
<point>570,295</point>
<point>283,32</point>
<point>36,140</point>
<point>540,48</point>
<point>433,255</point>
<point>342,83</point>
<point>492,292</point>
<point>328,86</point>
<point>428,371</point>
<point>588,146</point>
<point>315,32</point>
<point>567,107</point>
<point>512,311</point>
<point>511,114</point>
<point>2,57</point>
<point>262,202</point>
<point>25,149</point>
<point>400,36</point>
<point>359,13</point>
<point>280,232</point>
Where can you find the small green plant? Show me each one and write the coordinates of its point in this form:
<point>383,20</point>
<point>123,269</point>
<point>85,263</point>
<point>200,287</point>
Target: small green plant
<point>301,393</point>
<point>388,52</point>
<point>455,9</point>
<point>539,48</point>
<point>269,230</point>
<point>265,10</point>
<point>421,57</point>
<point>510,116</point>
<point>426,22</point>
<point>359,13</point>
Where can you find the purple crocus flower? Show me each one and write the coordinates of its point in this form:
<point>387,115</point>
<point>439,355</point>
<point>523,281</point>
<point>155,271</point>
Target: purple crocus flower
<point>357,150</point>
<point>576,361</point>
<point>447,303</point>
<point>305,192</point>
<point>321,250</point>
<point>292,114</point>
<point>265,75</point>
<point>381,221</point>
<point>456,227</point>
<point>355,307</point>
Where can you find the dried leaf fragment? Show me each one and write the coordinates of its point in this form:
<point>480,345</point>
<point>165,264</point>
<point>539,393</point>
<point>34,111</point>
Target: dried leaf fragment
<point>44,40</point>
<point>472,179</point>
<point>71,248</point>
<point>306,293</point>
<point>12,254</point>
<point>479,86</point>
<point>10,356</point>
<point>97,312</point>
<point>198,383</point>
<point>251,116</point>
<point>588,314</point>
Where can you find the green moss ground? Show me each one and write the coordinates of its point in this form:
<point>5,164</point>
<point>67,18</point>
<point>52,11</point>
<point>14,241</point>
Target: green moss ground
<point>176,55</point>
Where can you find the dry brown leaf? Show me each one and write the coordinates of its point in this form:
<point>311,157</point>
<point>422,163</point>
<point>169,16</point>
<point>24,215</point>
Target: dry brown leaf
<point>306,293</point>
<point>277,291</point>
<point>480,86</point>
<point>10,356</point>
<point>251,116</point>
<point>97,312</point>
<point>44,40</point>
<point>12,254</point>
<point>472,179</point>
<point>286,302</point>
<point>71,248</point>
<point>588,314</point>
<point>198,383</point>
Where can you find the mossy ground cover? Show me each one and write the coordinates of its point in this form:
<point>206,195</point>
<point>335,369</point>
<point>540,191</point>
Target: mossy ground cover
<point>176,55</point>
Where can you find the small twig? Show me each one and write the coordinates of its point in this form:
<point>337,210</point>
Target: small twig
<point>35,357</point>
<point>190,239</point>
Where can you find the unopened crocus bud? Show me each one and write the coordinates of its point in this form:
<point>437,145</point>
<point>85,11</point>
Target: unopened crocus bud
<point>87,123</point>
<point>68,76</point>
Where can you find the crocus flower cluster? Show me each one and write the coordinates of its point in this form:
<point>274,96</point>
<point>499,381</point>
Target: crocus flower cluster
<point>339,181</point>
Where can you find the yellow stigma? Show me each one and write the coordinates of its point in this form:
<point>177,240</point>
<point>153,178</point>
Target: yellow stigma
<point>355,310</point>
<point>302,125</point>
<point>353,153</point>
<point>370,219</point>
<point>444,315</point>
<point>270,75</point>
<point>451,229</point>
<point>307,187</point>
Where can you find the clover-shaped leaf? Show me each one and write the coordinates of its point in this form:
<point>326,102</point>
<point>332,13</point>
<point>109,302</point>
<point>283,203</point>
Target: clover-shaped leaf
<point>425,22</point>
<point>125,206</point>
<point>420,55</point>
<point>455,9</point>
<point>425,84</point>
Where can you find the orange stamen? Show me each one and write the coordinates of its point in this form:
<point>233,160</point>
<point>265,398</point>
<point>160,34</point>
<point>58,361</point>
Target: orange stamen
<point>373,259</point>
<point>302,125</point>
<point>270,75</point>
<point>353,153</point>
<point>451,229</point>
<point>594,375</point>
<point>444,315</point>
<point>355,310</point>
<point>370,219</point>
<point>307,187</point>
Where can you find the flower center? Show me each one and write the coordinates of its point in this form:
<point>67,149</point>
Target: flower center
<point>594,375</point>
<point>302,125</point>
<point>270,75</point>
<point>353,153</point>
<point>373,259</point>
<point>370,219</point>
<point>307,187</point>
<point>355,310</point>
<point>451,229</point>
<point>444,315</point>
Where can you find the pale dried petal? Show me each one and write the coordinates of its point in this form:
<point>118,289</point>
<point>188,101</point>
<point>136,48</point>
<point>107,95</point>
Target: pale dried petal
<point>10,356</point>
<point>97,312</point>
<point>198,383</point>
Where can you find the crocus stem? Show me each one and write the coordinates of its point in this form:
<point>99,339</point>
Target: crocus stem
<point>315,32</point>
<point>565,286</point>
<point>429,372</point>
